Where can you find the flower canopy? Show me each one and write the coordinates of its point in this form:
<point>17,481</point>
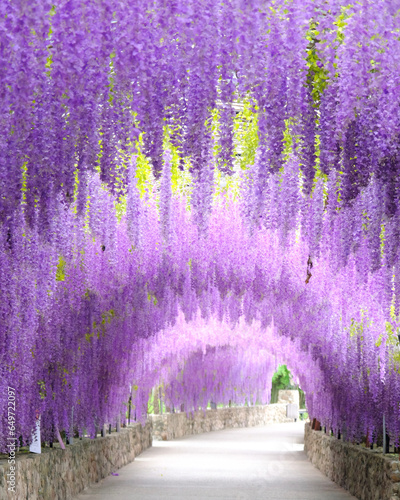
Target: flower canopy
<point>192,192</point>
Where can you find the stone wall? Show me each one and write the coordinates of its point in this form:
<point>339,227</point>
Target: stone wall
<point>58,474</point>
<point>365,473</point>
<point>176,425</point>
<point>289,397</point>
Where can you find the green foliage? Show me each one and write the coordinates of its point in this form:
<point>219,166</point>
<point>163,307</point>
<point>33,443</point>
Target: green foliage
<point>304,416</point>
<point>154,401</point>
<point>245,127</point>
<point>24,189</point>
<point>181,180</point>
<point>288,141</point>
<point>60,272</point>
<point>215,128</point>
<point>341,23</point>
<point>282,380</point>
<point>99,328</point>
<point>150,404</point>
<point>282,377</point>
<point>42,389</point>
<point>317,73</point>
<point>391,338</point>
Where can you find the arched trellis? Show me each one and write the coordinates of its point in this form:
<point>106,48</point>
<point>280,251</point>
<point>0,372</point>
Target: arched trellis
<point>310,241</point>
<point>95,330</point>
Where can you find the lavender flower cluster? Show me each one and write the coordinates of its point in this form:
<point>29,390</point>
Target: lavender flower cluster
<point>300,263</point>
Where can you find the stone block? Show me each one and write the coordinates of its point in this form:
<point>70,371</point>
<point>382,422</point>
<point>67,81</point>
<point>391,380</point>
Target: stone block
<point>63,474</point>
<point>176,425</point>
<point>366,474</point>
<point>289,397</point>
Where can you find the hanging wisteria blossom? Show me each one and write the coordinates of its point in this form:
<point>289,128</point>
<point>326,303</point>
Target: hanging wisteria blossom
<point>138,248</point>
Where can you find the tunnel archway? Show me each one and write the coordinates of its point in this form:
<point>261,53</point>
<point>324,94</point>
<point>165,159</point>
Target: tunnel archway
<point>134,198</point>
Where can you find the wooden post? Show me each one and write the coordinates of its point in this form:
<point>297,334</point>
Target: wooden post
<point>384,435</point>
<point>118,425</point>
<point>71,431</point>
<point>316,425</point>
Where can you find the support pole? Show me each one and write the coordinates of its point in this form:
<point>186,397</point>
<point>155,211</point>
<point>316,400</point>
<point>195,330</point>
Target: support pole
<point>384,435</point>
<point>71,430</point>
<point>129,409</point>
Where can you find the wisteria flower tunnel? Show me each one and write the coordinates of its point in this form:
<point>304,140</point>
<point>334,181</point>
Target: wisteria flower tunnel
<point>193,191</point>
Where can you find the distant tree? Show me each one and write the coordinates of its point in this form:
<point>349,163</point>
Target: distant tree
<point>282,380</point>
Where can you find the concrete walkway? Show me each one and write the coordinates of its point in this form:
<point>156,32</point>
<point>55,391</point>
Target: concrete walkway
<point>255,463</point>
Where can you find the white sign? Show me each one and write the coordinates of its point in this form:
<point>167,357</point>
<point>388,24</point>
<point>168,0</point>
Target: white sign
<point>292,411</point>
<point>35,446</point>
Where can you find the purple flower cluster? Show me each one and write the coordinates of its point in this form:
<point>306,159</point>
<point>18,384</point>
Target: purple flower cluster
<point>300,264</point>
